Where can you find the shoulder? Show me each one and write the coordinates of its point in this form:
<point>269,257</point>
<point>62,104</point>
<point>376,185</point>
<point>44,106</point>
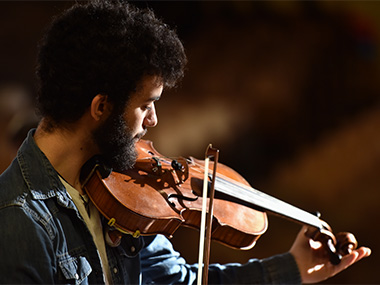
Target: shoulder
<point>12,185</point>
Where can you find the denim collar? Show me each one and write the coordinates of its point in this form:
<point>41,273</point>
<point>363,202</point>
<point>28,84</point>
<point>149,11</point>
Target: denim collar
<point>39,175</point>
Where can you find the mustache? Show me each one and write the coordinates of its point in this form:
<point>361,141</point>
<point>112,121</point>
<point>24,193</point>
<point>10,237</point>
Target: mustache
<point>141,134</point>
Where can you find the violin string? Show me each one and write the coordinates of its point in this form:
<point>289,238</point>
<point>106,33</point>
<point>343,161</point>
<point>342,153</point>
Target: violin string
<point>222,176</point>
<point>243,192</point>
<point>233,188</point>
<point>267,202</point>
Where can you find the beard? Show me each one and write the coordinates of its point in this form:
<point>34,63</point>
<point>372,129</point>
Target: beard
<point>116,142</point>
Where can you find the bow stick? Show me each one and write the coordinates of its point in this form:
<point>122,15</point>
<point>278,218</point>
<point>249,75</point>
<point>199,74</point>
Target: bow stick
<point>206,225</point>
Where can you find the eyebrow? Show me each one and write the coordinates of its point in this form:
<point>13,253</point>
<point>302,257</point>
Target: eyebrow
<point>153,99</point>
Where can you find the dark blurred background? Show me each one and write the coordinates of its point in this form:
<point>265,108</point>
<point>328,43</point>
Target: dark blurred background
<point>287,90</point>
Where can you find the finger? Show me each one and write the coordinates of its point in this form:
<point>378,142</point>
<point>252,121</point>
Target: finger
<point>363,252</point>
<point>353,257</point>
<point>349,259</point>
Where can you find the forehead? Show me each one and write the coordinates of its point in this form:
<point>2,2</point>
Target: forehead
<point>149,81</point>
<point>148,89</point>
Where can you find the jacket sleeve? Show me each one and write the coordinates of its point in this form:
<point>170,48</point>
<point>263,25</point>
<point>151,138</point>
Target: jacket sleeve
<point>161,264</point>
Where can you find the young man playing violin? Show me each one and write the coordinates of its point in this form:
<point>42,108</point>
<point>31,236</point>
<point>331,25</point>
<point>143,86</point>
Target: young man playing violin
<point>101,68</point>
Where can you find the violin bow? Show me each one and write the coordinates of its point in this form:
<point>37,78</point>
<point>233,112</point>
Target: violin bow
<point>206,226</point>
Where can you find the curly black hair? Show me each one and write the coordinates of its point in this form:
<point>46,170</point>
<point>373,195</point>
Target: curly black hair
<point>103,47</point>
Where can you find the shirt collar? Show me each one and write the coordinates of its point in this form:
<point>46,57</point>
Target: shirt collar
<point>40,176</point>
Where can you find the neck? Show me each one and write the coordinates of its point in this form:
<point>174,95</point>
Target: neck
<point>250,197</point>
<point>67,150</point>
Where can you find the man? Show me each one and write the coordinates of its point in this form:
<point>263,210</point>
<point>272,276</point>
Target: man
<point>102,66</point>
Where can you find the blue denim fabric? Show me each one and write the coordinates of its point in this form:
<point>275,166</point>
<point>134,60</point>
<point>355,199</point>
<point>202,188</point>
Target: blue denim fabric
<point>44,240</point>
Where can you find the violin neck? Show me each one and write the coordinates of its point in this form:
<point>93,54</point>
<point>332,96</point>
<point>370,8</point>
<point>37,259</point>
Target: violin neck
<point>253,198</point>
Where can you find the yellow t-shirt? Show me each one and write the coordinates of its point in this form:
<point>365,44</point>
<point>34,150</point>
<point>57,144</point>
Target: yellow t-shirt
<point>92,219</point>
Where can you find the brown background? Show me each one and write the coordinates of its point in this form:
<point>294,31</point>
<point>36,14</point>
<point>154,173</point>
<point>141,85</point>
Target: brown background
<point>288,91</point>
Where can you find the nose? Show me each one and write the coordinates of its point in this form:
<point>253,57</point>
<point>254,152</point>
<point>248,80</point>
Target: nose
<point>151,118</point>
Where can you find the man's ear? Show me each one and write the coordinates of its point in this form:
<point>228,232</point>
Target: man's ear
<point>100,107</point>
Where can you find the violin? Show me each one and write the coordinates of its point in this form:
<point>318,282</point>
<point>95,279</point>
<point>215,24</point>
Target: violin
<point>160,194</point>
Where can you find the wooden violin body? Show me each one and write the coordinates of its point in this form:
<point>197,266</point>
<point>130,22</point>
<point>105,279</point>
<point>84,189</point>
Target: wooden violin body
<point>159,195</point>
<point>157,198</point>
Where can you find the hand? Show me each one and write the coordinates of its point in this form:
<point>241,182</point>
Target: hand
<point>313,262</point>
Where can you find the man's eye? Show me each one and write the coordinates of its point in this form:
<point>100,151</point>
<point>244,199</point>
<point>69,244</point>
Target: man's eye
<point>147,107</point>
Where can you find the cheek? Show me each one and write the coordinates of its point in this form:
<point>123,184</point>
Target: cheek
<point>134,121</point>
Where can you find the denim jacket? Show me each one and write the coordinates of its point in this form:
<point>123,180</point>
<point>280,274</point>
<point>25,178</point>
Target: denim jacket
<point>44,240</point>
